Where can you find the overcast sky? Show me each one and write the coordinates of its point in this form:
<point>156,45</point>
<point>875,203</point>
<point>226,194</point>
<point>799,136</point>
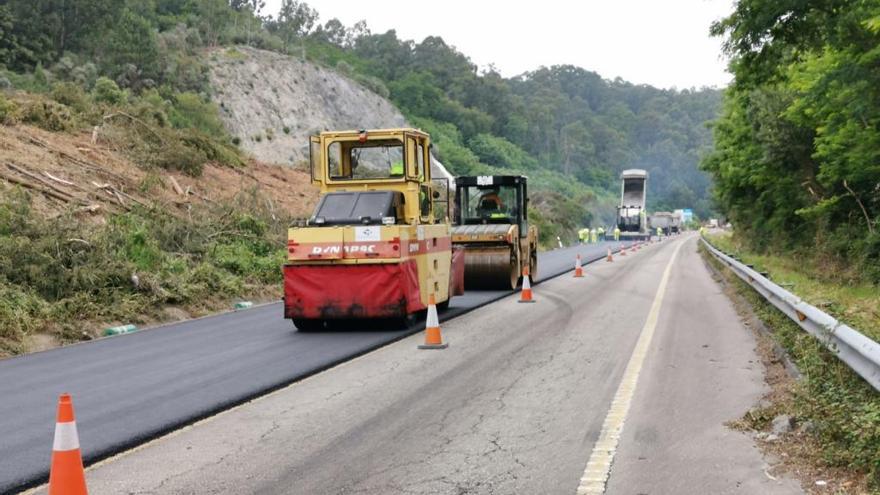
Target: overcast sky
<point>664,43</point>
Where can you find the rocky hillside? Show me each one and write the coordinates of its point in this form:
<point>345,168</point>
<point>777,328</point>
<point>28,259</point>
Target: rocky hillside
<point>273,102</point>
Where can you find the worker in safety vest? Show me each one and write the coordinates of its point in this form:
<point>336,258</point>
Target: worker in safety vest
<point>583,235</point>
<point>601,233</point>
<point>396,168</point>
<point>616,233</point>
<point>659,232</point>
<point>593,236</point>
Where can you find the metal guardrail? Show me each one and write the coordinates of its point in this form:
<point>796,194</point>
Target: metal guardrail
<point>859,352</point>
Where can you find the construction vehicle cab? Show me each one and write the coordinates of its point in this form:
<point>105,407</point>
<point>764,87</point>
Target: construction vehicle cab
<point>372,248</point>
<point>491,223</point>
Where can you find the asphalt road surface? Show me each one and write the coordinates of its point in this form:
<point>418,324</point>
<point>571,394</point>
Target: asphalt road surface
<point>520,402</point>
<point>132,388</point>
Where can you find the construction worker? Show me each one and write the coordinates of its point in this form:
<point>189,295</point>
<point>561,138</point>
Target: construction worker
<point>659,232</point>
<point>593,236</point>
<point>491,204</point>
<point>601,234</point>
<point>583,235</point>
<point>616,233</point>
<point>397,168</point>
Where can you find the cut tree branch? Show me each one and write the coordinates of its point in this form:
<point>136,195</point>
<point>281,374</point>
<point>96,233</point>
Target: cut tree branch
<point>862,206</point>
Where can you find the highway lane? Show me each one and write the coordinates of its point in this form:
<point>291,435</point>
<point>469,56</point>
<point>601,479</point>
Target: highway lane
<point>514,405</point>
<point>131,388</point>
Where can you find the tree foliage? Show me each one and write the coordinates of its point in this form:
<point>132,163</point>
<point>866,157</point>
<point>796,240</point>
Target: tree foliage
<point>797,150</point>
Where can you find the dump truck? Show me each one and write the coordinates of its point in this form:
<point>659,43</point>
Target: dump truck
<point>632,217</point>
<point>373,247</point>
<point>677,221</point>
<point>491,224</point>
<point>663,220</point>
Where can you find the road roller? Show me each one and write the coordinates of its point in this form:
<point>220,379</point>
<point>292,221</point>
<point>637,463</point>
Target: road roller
<point>377,244</point>
<point>491,224</point>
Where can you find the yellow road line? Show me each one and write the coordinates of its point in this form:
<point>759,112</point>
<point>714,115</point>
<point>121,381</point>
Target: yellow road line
<point>599,465</point>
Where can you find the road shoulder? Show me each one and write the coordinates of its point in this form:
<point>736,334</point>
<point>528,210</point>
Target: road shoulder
<point>702,373</point>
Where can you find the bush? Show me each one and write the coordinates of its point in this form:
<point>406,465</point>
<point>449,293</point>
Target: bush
<point>374,84</point>
<point>71,95</point>
<point>191,111</point>
<point>107,91</point>
<point>49,115</point>
<point>21,313</point>
<point>9,111</point>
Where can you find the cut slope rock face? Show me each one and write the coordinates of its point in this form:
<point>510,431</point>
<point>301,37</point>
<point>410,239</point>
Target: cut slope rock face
<point>274,102</point>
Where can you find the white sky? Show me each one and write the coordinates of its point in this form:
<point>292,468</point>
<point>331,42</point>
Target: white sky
<point>664,43</point>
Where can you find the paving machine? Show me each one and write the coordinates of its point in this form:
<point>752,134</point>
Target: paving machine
<point>632,217</point>
<point>491,223</point>
<point>373,247</point>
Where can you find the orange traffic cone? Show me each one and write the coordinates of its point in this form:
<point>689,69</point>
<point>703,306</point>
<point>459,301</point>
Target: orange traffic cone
<point>66,477</point>
<point>609,258</point>
<point>623,251</point>
<point>578,269</point>
<point>526,293</point>
<point>433,339</point>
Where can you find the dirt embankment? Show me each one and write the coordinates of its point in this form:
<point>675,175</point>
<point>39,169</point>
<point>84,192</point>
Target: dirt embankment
<point>272,102</point>
<point>64,171</point>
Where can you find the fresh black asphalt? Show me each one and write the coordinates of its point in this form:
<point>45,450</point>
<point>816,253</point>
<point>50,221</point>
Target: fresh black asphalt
<point>132,388</point>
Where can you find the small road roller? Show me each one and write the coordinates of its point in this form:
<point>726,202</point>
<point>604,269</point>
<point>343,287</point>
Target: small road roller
<point>491,223</point>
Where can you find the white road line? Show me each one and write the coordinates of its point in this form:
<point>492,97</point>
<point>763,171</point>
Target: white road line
<point>599,465</point>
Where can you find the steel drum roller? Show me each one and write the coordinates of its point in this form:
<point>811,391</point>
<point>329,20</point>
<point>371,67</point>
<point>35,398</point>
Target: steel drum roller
<point>490,268</point>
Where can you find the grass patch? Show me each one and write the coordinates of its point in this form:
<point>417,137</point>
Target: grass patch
<point>843,407</point>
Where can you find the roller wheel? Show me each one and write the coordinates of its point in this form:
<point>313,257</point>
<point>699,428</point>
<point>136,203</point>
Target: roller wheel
<point>515,272</point>
<point>308,324</point>
<point>533,266</point>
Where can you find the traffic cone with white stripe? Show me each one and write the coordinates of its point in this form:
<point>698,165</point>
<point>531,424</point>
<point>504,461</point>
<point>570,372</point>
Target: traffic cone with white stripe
<point>578,269</point>
<point>433,339</point>
<point>526,293</point>
<point>66,476</point>
<point>609,258</point>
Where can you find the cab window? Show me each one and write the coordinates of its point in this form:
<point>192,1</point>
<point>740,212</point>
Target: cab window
<point>372,159</point>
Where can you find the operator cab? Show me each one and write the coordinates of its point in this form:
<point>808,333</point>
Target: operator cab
<point>499,199</point>
<point>373,177</point>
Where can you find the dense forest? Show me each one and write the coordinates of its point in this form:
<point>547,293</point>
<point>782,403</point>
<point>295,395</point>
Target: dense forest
<point>797,151</point>
<point>568,128</point>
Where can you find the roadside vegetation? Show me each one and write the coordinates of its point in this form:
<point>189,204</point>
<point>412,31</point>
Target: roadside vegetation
<point>66,278</point>
<point>855,303</point>
<point>841,409</point>
<point>797,150</point>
